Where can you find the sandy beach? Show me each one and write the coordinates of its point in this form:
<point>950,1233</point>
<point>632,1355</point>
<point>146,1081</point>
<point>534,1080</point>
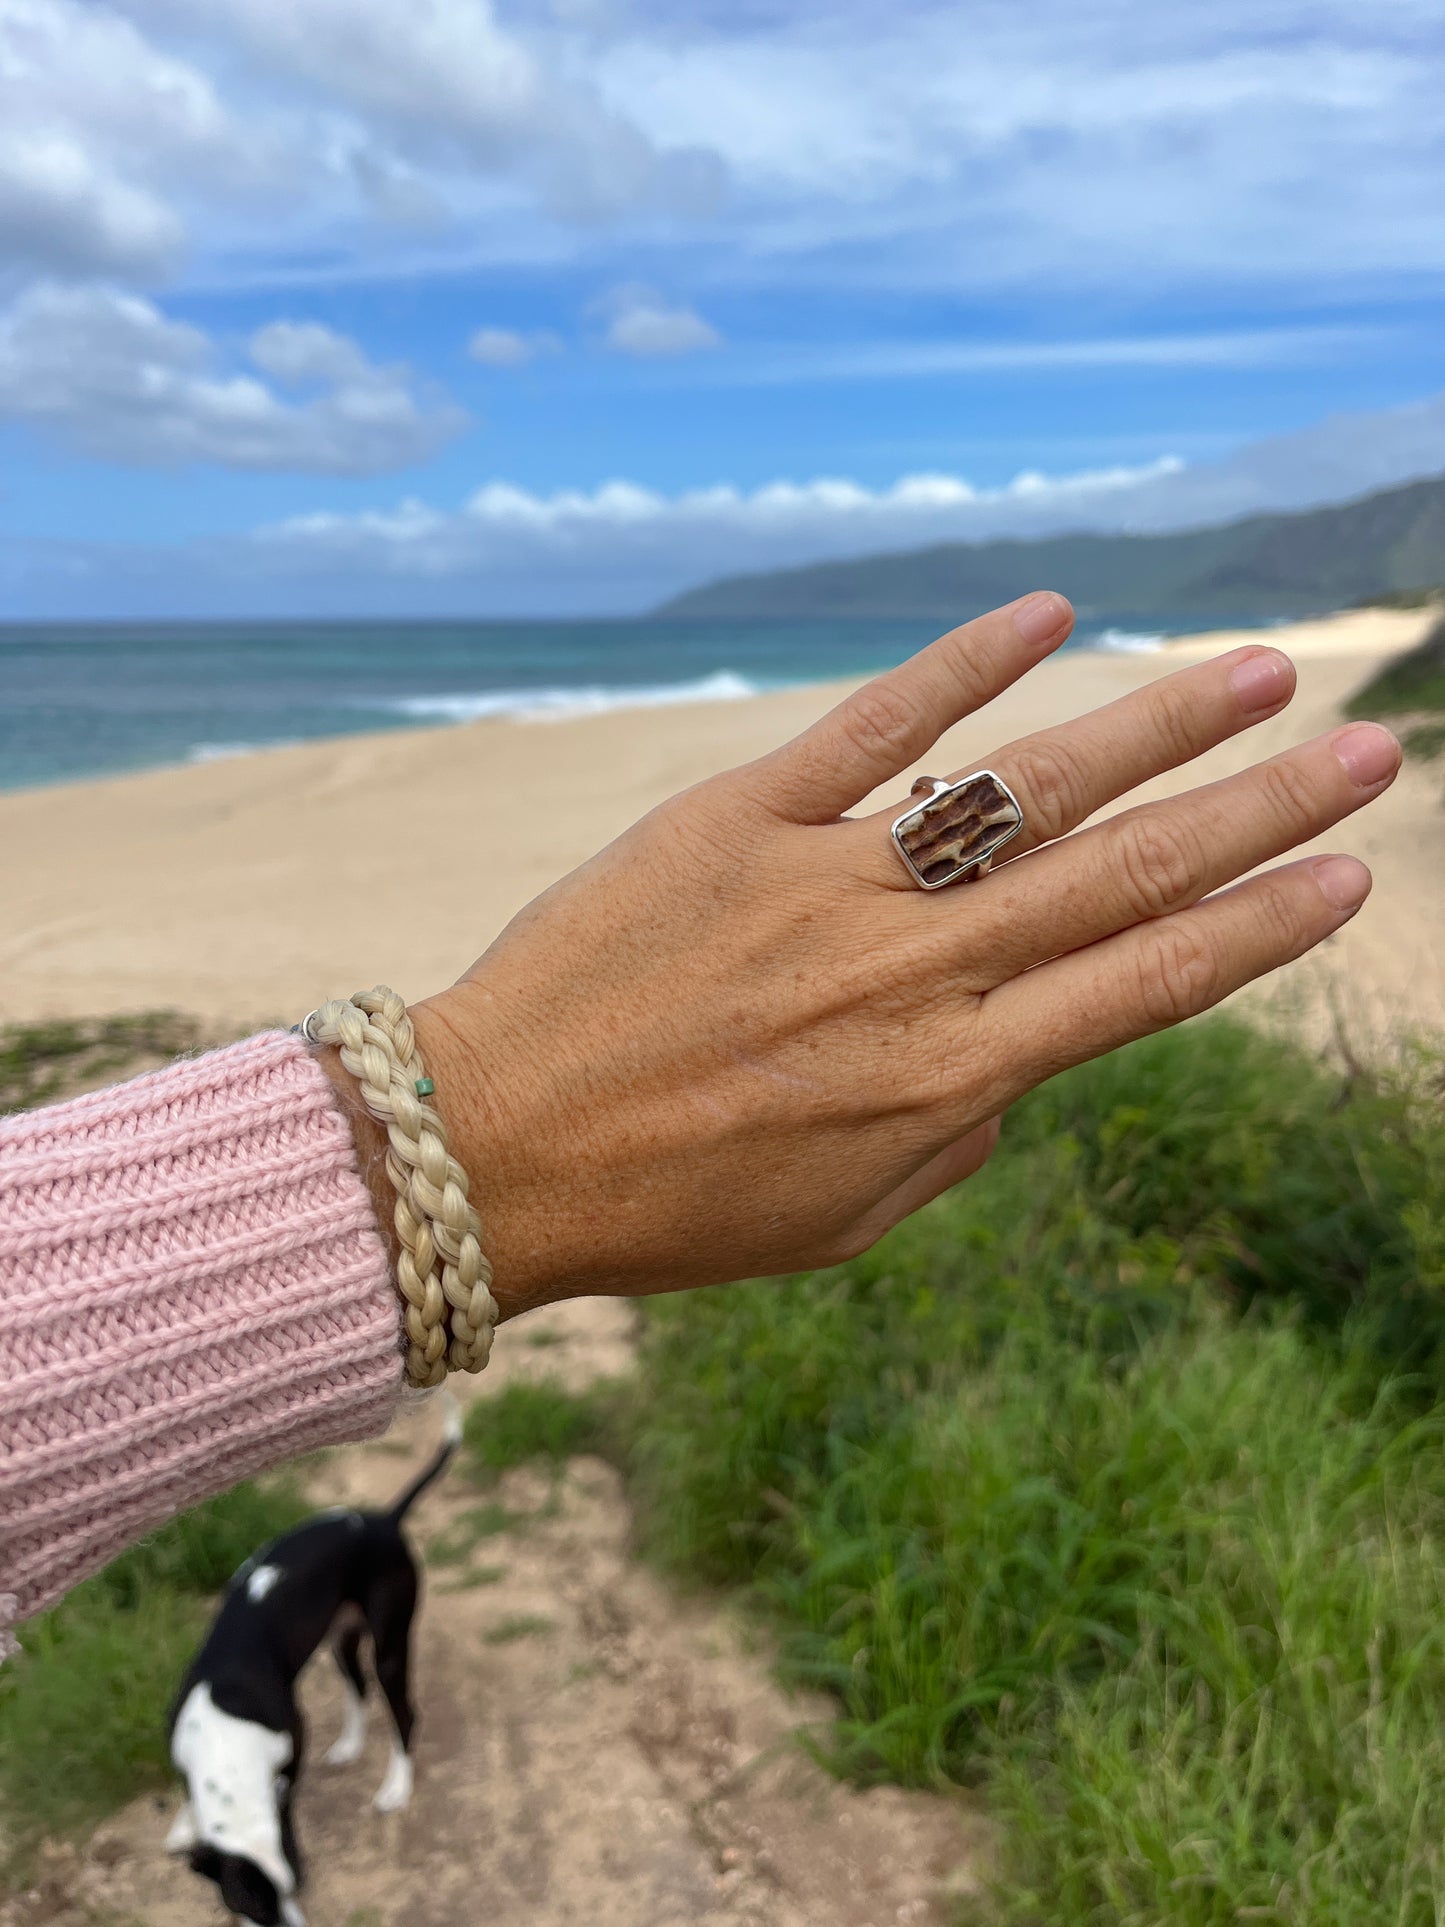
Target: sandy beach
<point>245,891</point>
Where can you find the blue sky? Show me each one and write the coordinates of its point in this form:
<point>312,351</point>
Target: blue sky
<point>436,305</point>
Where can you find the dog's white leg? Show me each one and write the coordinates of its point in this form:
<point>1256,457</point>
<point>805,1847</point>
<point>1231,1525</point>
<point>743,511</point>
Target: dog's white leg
<point>395,1790</point>
<point>347,1748</point>
<point>182,1836</point>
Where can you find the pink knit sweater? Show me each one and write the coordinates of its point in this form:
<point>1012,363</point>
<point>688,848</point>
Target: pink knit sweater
<point>192,1289</point>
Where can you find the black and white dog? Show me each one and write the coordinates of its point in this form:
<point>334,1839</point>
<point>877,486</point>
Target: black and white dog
<point>236,1730</point>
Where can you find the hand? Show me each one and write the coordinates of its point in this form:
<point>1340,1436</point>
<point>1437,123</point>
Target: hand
<point>740,1041</point>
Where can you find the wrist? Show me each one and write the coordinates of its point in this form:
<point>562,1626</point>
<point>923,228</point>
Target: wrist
<point>459,1050</point>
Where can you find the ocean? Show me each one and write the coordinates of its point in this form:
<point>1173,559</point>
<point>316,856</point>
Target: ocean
<point>91,700</point>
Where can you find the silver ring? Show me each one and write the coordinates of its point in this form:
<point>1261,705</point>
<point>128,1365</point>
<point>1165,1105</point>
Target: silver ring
<point>954,835</point>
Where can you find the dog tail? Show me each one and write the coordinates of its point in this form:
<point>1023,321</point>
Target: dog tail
<point>451,1439</point>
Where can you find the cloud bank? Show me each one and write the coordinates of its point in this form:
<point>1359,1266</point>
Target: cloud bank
<point>111,376</point>
<point>621,547</point>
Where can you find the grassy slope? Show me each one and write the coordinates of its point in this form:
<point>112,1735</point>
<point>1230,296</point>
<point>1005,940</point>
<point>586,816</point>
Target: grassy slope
<point>1025,1491</point>
<point>82,1710</point>
<point>1407,683</point>
<point>1411,685</point>
<point>1319,559</point>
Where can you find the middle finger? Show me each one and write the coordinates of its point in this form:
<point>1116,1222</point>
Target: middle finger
<point>1061,776</point>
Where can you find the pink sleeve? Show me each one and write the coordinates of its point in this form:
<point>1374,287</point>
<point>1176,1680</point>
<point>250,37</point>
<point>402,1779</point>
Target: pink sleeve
<point>192,1289</point>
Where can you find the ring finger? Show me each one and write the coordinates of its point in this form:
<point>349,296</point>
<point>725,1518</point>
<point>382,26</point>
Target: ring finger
<point>1162,857</point>
<point>1062,776</point>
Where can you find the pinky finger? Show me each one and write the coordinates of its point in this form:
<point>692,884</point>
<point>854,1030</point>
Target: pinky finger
<point>1159,973</point>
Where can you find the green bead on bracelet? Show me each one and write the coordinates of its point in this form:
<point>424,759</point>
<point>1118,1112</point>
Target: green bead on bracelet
<point>424,1087</point>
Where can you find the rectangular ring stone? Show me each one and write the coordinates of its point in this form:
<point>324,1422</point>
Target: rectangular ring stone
<point>947,836</point>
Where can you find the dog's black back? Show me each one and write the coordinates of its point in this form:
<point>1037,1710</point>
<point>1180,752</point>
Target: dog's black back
<point>265,1633</point>
<point>338,1573</point>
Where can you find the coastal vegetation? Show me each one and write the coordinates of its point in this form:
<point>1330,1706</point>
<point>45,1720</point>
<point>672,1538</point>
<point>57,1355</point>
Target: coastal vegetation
<point>1110,1490</point>
<point>1373,548</point>
<point>1412,686</point>
<point>1111,1487</point>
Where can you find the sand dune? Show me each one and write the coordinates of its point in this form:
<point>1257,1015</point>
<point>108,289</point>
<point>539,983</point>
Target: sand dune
<point>245,891</point>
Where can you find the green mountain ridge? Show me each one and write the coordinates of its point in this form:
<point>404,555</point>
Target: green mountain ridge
<point>1294,564</point>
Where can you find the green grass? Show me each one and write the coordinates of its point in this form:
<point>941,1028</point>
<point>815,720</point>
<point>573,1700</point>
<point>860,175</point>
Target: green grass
<point>518,1626</point>
<point>1423,598</point>
<point>1425,740</point>
<point>83,1707</point>
<point>455,1544</point>
<point>42,1061</point>
<point>475,1577</point>
<point>1409,684</point>
<point>1114,1485</point>
<point>535,1420</point>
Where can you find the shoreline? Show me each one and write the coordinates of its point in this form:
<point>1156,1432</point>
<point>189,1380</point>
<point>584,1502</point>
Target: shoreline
<point>242,890</point>
<point>1365,632</point>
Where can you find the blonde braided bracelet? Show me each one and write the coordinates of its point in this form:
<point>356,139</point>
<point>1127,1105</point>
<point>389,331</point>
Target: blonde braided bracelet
<point>442,1271</point>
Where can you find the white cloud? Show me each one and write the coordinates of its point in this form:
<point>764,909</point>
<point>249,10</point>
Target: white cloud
<point>58,208</point>
<point>881,146</point>
<point>588,547</point>
<point>93,121</point>
<point>623,544</point>
<point>766,366</point>
<point>512,347</point>
<point>1010,142</point>
<point>447,90</point>
<point>110,375</point>
<point>644,324</point>
<point>305,351</point>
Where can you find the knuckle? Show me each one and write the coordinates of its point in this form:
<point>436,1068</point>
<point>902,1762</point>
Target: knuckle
<point>1158,866</point>
<point>1177,974</point>
<point>881,723</point>
<point>1054,786</point>
<point>957,654</point>
<point>1176,721</point>
<point>1277,912</point>
<point>1288,793</point>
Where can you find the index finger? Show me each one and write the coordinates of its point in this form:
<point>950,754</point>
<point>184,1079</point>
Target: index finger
<point>890,722</point>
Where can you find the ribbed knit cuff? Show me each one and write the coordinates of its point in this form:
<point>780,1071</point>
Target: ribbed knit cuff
<point>193,1289</point>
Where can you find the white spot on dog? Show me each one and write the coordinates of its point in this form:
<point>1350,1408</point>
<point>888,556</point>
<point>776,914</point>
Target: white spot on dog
<point>230,1767</point>
<point>395,1790</point>
<point>346,1749</point>
<point>261,1581</point>
<point>182,1836</point>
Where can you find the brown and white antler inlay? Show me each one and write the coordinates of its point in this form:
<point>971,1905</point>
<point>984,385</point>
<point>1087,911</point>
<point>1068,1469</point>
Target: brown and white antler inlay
<point>958,828</point>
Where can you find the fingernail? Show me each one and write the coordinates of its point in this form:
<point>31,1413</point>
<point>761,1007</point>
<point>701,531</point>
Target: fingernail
<point>1040,616</point>
<point>1368,754</point>
<point>1262,681</point>
<point>1344,881</point>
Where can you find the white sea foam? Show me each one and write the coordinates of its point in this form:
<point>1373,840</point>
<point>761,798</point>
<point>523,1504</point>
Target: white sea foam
<point>223,752</point>
<point>1124,642</point>
<point>557,705</point>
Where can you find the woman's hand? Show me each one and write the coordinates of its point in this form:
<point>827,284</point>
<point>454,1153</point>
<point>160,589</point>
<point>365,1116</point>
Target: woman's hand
<point>740,1041</point>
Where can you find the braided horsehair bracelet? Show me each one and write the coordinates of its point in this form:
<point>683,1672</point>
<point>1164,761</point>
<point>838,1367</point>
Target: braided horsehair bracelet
<point>442,1271</point>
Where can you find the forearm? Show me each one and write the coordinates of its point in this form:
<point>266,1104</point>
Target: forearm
<point>193,1289</point>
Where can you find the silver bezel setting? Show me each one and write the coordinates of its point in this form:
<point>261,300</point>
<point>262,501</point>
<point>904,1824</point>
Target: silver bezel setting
<point>977,866</point>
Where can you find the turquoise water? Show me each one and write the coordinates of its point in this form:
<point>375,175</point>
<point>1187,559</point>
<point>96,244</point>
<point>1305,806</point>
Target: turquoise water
<point>80,701</point>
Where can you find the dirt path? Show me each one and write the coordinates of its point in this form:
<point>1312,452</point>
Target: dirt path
<point>590,1749</point>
